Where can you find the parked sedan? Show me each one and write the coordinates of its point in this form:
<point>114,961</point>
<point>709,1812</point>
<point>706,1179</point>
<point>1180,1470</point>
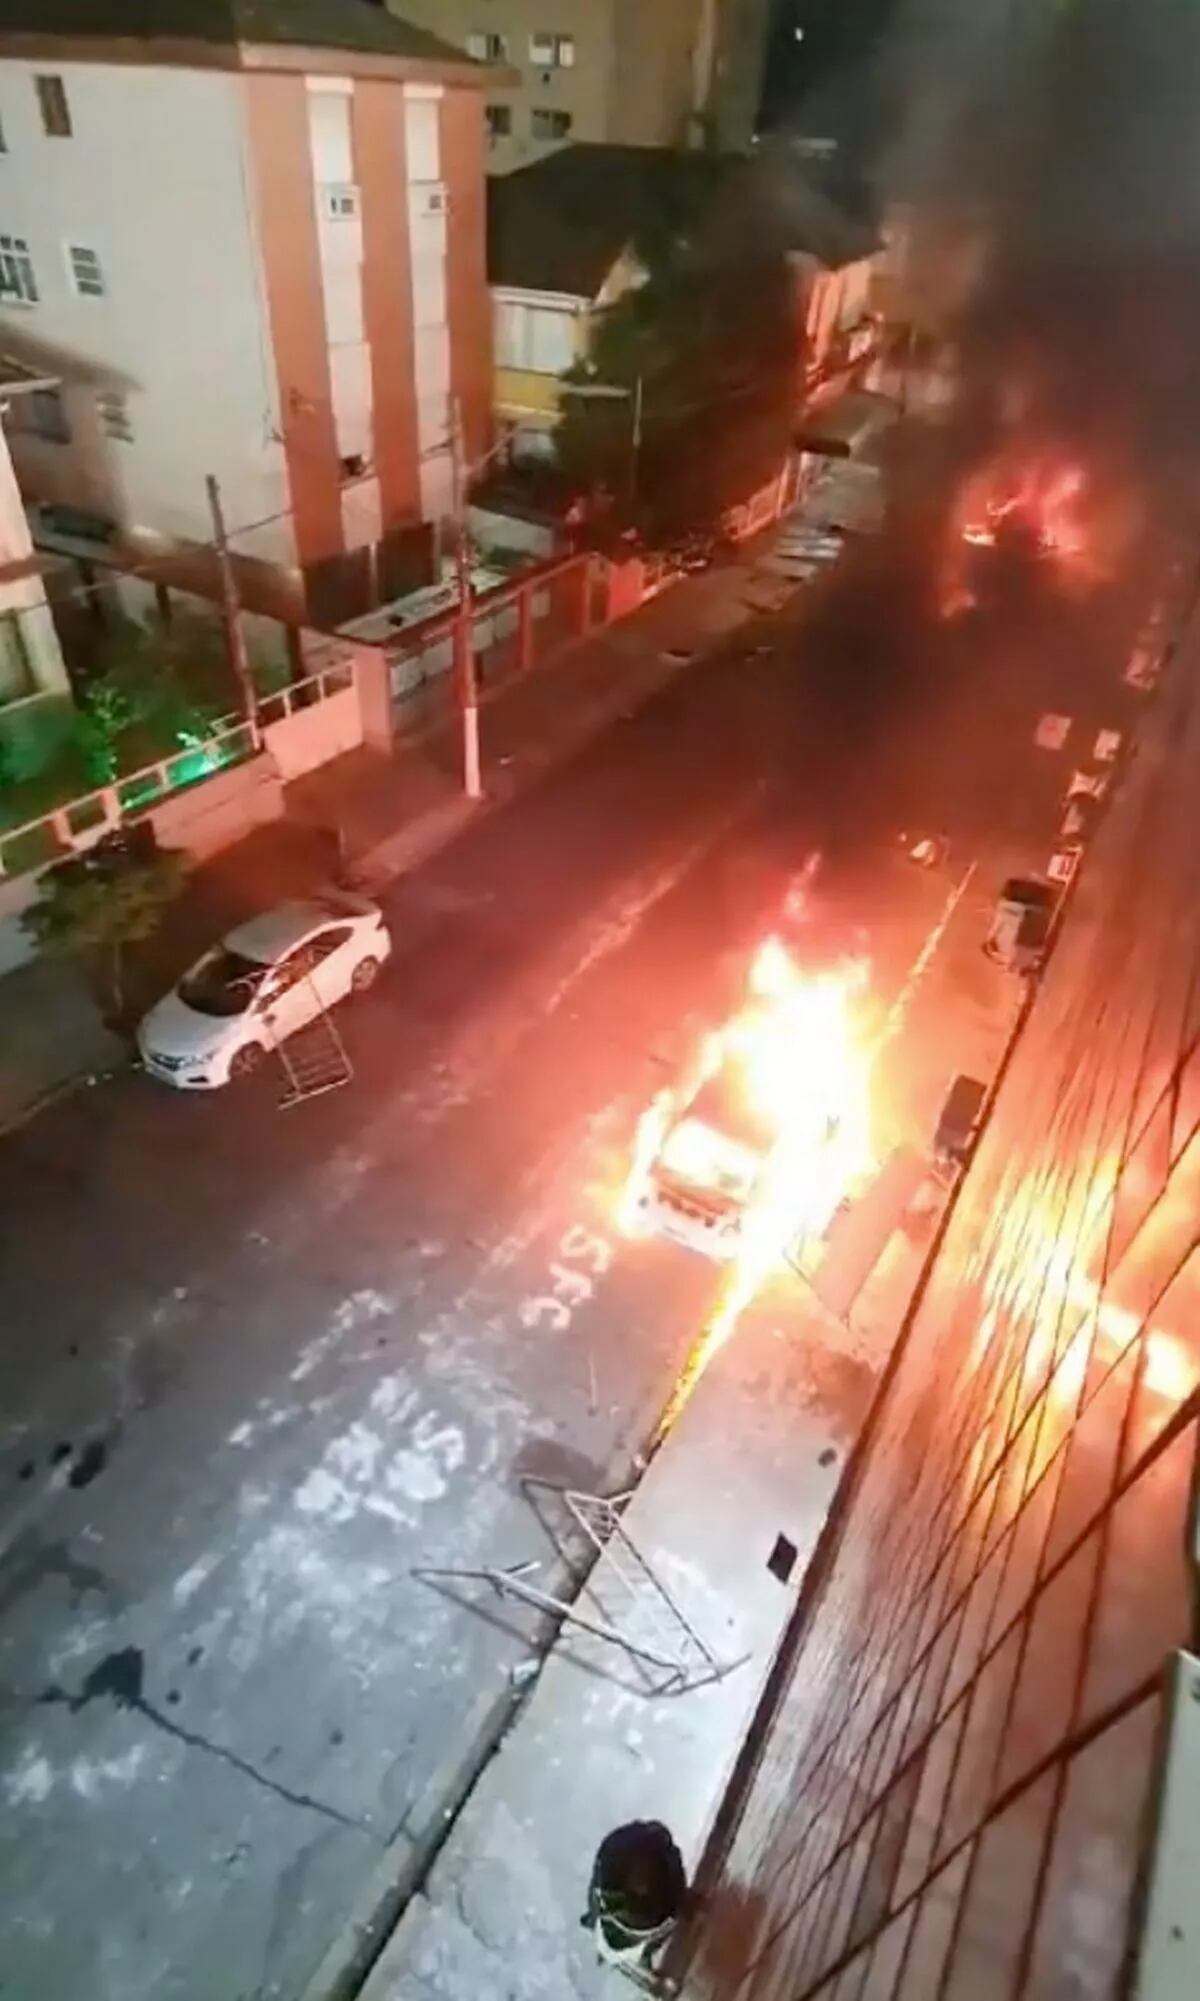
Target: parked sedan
<point>264,981</point>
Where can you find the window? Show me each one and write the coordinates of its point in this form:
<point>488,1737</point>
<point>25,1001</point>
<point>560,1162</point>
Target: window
<point>499,120</point>
<point>329,941</point>
<point>352,465</point>
<point>86,274</point>
<point>537,338</point>
<point>550,124</point>
<point>18,286</point>
<point>48,416</point>
<point>339,200</point>
<point>487,48</point>
<point>52,103</point>
<point>113,411</point>
<point>552,51</point>
<point>3,141</point>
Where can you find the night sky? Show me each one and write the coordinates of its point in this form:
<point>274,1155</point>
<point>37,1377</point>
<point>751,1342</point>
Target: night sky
<point>821,66</point>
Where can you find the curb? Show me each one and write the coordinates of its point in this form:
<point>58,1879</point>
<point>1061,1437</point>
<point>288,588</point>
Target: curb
<point>80,1080</point>
<point>376,1924</point>
<point>394,1882</point>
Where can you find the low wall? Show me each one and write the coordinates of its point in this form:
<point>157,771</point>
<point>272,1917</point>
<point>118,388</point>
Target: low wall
<point>210,816</point>
<point>197,822</point>
<point>311,736</point>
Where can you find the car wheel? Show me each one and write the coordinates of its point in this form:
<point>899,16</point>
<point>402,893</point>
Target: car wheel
<point>364,975</point>
<point>245,1061</point>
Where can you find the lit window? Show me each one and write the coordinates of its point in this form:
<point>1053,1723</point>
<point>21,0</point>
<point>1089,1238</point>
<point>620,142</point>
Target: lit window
<point>113,411</point>
<point>487,48</point>
<point>48,416</point>
<point>499,120</point>
<point>552,51</point>
<point>86,273</point>
<point>18,286</point>
<point>550,124</point>
<point>52,103</point>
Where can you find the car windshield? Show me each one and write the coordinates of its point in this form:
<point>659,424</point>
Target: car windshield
<point>222,983</point>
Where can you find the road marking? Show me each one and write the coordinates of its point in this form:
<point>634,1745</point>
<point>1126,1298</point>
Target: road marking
<point>920,965</point>
<point>569,1288</point>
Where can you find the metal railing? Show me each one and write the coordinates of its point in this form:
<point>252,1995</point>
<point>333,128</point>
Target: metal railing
<point>335,679</point>
<point>77,824</point>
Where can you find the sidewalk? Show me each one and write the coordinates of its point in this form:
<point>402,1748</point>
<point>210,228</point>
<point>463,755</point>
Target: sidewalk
<point>756,1455</point>
<point>390,812</point>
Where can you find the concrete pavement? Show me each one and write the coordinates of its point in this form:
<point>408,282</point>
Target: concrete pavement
<point>728,1515</point>
<point>260,1367</point>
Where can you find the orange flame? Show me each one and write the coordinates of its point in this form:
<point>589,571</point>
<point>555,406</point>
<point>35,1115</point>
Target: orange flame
<point>800,1053</point>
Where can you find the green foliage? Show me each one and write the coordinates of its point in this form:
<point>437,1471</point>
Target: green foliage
<point>96,905</point>
<point>152,688</point>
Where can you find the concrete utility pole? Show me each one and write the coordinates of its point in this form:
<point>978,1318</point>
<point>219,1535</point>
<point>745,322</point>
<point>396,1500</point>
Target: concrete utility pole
<point>235,638</point>
<point>464,622</point>
<point>635,442</point>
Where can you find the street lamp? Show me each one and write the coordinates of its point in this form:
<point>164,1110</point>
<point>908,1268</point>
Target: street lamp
<point>602,392</point>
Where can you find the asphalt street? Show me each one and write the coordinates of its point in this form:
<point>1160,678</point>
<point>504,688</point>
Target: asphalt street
<point>259,1363</point>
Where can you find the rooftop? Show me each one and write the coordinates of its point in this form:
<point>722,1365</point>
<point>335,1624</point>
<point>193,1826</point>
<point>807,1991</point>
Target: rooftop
<point>355,25</point>
<point>560,224</point>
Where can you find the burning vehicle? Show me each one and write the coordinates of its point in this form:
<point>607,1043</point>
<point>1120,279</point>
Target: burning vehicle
<point>1036,504</point>
<point>755,1147</point>
<point>1037,508</point>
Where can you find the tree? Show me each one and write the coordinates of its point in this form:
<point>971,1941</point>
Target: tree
<point>150,689</point>
<point>96,905</point>
<point>712,336</point>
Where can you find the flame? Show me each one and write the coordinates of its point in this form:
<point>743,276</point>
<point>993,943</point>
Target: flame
<point>1041,495</point>
<point>799,1050</point>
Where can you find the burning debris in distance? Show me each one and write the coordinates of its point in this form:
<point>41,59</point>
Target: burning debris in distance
<point>1048,163</point>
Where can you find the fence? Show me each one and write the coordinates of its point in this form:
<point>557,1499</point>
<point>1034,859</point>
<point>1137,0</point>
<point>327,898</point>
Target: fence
<point>78,824</point>
<point>514,627</point>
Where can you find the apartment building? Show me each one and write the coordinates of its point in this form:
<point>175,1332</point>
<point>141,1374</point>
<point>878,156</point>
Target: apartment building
<point>31,663</point>
<point>252,248</point>
<point>977,1773</point>
<point>672,73</point>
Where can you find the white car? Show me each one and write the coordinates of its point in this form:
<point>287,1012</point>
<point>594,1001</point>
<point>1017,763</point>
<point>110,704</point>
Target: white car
<point>268,978</point>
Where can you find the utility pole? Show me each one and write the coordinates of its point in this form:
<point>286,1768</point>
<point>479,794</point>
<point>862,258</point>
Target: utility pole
<point>235,638</point>
<point>635,442</point>
<point>464,621</point>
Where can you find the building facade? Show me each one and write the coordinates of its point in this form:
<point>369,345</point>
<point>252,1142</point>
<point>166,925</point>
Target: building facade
<point>32,674</point>
<point>563,250</point>
<point>978,1771</point>
<point>253,258</point>
<point>676,73</point>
